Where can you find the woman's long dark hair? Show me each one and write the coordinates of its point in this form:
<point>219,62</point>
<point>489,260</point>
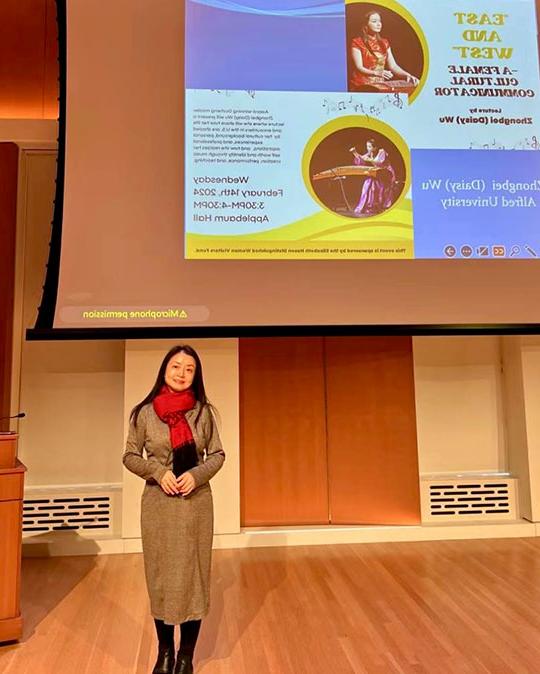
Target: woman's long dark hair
<point>373,143</point>
<point>197,386</point>
<point>365,31</point>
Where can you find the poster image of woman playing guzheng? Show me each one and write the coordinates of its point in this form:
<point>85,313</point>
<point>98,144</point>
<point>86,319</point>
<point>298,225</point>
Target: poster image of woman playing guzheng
<point>374,67</point>
<point>363,185</point>
<point>377,190</point>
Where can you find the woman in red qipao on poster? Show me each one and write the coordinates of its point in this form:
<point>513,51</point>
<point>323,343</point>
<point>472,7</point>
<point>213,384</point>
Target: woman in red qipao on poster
<point>377,192</point>
<point>374,63</point>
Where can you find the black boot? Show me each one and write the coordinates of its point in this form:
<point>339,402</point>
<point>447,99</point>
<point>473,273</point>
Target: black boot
<point>189,633</point>
<point>183,664</point>
<point>165,660</point>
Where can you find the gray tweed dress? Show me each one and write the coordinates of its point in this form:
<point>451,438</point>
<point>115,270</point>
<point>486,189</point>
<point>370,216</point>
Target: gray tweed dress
<point>176,531</point>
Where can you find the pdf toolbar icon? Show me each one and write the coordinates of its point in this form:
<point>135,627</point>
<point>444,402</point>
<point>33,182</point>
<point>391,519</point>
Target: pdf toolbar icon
<point>450,251</point>
<point>498,251</point>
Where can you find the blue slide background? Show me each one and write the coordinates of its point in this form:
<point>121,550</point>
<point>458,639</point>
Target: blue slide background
<point>512,227</point>
<point>289,46</point>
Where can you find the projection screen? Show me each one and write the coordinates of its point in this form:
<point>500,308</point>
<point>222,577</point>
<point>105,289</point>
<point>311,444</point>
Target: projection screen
<point>255,164</point>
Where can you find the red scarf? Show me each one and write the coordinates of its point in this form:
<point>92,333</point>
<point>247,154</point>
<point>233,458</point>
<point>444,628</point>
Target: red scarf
<point>171,408</point>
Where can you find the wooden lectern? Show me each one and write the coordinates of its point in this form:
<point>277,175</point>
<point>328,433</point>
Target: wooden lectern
<point>11,508</point>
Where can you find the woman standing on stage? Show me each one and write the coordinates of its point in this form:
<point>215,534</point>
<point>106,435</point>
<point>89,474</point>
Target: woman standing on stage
<point>377,191</point>
<point>176,427</point>
<point>372,56</point>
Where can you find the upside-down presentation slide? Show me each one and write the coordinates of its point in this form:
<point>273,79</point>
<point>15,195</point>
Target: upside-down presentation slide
<point>353,129</point>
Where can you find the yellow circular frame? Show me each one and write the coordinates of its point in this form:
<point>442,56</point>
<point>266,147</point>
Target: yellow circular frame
<point>360,122</point>
<point>409,18</point>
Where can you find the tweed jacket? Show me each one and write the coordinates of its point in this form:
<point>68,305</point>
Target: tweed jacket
<point>152,435</point>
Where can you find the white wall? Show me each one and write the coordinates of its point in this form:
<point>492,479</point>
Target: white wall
<point>459,404</point>
<point>28,130</point>
<point>515,420</point>
<point>72,395</point>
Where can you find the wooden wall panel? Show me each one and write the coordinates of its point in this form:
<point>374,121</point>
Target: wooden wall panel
<point>371,425</point>
<point>282,432</point>
<point>11,505</point>
<point>10,557</point>
<point>9,158</point>
<point>51,69</point>
<point>28,59</point>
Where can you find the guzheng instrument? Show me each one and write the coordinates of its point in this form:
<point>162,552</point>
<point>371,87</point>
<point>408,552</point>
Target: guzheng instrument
<point>388,86</point>
<point>341,171</point>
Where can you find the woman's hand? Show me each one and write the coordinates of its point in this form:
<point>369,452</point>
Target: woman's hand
<point>168,484</point>
<point>387,74</point>
<point>412,79</point>
<point>185,483</point>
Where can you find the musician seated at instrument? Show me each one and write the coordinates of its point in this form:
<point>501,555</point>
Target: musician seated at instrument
<point>377,193</point>
<point>374,63</point>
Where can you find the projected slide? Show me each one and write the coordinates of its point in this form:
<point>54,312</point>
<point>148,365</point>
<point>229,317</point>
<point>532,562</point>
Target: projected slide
<point>361,130</point>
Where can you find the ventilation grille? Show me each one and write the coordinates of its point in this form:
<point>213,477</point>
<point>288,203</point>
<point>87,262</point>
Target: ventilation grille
<point>68,509</point>
<point>463,499</point>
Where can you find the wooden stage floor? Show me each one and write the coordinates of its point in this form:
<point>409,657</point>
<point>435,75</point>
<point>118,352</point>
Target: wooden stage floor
<point>439,608</point>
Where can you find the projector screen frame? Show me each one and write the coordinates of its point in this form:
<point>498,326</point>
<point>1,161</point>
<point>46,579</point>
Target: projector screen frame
<point>43,329</point>
<point>47,308</point>
<point>75,334</point>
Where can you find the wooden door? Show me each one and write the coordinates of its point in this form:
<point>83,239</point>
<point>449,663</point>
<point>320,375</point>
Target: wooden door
<point>282,432</point>
<point>371,426</point>
<point>9,162</point>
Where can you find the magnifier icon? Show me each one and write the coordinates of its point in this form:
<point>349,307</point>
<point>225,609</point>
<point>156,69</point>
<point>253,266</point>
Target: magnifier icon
<point>516,250</point>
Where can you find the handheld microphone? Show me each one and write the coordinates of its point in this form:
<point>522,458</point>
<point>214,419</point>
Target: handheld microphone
<point>20,415</point>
